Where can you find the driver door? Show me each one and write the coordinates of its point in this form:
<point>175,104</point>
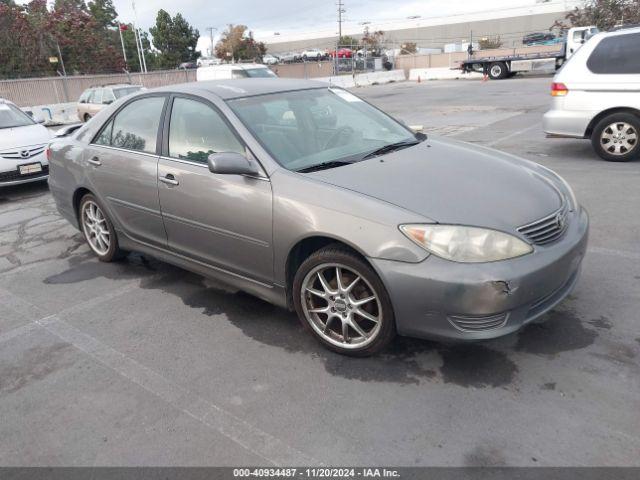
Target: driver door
<point>222,220</point>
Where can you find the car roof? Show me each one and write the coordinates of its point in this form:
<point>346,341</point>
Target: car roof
<point>244,87</point>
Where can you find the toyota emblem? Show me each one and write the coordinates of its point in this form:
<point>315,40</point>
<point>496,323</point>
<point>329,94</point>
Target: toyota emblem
<point>25,154</point>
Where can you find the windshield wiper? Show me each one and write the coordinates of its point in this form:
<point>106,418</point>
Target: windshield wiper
<point>324,166</point>
<point>390,148</point>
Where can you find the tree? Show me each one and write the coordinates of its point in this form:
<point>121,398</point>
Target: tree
<point>103,12</point>
<point>408,48</point>
<point>175,40</point>
<point>347,41</point>
<point>604,14</point>
<point>373,40</point>
<point>236,44</point>
<point>487,43</point>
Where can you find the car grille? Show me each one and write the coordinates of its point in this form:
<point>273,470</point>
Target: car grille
<point>478,324</point>
<point>547,229</point>
<point>23,153</point>
<point>15,175</point>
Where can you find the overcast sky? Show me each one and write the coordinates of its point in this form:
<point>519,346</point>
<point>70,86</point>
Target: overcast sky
<point>265,17</point>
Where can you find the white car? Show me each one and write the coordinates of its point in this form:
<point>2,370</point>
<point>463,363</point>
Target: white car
<point>596,95</point>
<point>23,142</point>
<point>269,59</point>
<point>312,54</point>
<point>234,70</point>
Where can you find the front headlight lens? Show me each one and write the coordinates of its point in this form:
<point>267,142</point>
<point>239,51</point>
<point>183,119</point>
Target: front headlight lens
<point>466,244</point>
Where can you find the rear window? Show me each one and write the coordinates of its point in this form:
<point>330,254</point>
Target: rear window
<point>259,72</point>
<point>123,92</point>
<point>619,54</point>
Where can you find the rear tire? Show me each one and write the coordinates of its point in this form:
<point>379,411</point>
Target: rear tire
<point>498,71</point>
<point>616,138</point>
<point>325,303</point>
<point>98,230</point>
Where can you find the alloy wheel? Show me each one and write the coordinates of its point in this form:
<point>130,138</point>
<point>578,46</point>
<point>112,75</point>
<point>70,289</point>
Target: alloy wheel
<point>341,306</point>
<point>94,225</point>
<point>619,138</point>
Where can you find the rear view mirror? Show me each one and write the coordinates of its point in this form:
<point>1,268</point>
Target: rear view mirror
<point>231,163</point>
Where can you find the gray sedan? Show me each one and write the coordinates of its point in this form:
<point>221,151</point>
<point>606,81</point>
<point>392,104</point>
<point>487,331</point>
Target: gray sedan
<point>314,200</point>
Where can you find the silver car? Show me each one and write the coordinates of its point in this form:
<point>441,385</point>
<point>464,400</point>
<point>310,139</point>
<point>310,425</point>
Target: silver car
<point>596,95</point>
<point>314,200</point>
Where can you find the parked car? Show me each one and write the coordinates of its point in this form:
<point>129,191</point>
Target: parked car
<point>596,95</point>
<point>341,53</point>
<point>234,70</point>
<point>22,147</point>
<point>290,57</point>
<point>269,59</point>
<point>96,98</point>
<point>537,38</point>
<point>187,66</point>
<point>313,54</point>
<point>360,225</point>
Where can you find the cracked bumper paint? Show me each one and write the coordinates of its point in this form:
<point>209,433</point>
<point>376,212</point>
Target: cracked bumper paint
<point>433,298</point>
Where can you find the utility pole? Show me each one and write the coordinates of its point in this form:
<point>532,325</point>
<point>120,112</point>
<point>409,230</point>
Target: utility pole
<point>341,10</point>
<point>124,52</point>
<point>211,29</point>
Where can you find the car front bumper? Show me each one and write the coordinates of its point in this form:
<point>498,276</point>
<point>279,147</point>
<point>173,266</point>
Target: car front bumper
<point>437,298</point>
<point>10,173</point>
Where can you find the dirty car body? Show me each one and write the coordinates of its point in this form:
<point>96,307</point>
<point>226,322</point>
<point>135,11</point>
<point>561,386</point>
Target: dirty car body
<point>256,230</point>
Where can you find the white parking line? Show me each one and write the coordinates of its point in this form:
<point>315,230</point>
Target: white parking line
<point>253,439</point>
<point>511,135</point>
<point>260,443</point>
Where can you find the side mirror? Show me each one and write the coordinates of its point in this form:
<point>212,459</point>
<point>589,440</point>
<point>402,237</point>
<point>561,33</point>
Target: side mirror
<point>231,163</point>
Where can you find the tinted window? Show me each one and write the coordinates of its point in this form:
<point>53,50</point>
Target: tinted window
<point>197,130</point>
<point>616,55</point>
<point>108,97</point>
<point>135,127</point>
<point>259,72</point>
<point>85,96</point>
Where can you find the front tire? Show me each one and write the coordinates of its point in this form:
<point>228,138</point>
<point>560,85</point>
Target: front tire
<point>616,138</point>
<point>98,230</point>
<point>87,117</point>
<point>343,302</point>
<point>498,71</point>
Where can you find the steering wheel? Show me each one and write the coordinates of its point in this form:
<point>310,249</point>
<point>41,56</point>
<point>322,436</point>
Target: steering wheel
<point>341,136</point>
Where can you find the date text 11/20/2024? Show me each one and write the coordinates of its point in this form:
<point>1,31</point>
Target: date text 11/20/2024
<point>316,472</point>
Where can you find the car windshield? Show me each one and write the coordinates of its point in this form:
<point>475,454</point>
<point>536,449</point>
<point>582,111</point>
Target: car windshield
<point>259,72</point>
<point>11,117</point>
<point>307,128</point>
<point>123,92</point>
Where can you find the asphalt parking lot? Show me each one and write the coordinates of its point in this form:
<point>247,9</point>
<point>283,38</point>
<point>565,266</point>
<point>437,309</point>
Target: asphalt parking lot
<point>141,363</point>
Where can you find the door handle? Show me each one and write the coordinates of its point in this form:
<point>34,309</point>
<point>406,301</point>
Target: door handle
<point>95,161</point>
<point>169,179</point>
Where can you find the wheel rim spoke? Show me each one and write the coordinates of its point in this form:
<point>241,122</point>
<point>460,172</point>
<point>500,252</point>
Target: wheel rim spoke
<point>341,300</point>
<point>95,228</point>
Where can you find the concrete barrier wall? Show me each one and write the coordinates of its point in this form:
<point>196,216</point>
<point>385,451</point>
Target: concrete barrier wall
<point>363,79</point>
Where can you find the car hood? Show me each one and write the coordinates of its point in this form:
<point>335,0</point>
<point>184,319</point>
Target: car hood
<point>23,136</point>
<point>455,183</point>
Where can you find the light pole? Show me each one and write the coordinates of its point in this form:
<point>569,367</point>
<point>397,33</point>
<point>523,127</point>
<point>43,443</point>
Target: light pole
<point>211,29</point>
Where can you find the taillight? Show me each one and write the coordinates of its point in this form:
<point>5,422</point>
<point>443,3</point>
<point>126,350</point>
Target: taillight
<point>559,89</point>
<point>47,153</point>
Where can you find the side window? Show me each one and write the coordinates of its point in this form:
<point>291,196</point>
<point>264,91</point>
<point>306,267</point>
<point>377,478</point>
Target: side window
<point>85,96</point>
<point>97,96</point>
<point>108,96</point>
<point>135,127</point>
<point>196,130</point>
<point>619,54</point>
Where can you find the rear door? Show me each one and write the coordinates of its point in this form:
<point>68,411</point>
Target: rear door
<point>122,168</point>
<point>222,220</point>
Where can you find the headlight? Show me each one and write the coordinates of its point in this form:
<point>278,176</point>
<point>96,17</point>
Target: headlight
<point>466,244</point>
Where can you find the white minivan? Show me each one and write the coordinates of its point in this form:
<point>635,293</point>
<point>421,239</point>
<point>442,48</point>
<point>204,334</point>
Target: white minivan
<point>233,70</point>
<point>596,95</point>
